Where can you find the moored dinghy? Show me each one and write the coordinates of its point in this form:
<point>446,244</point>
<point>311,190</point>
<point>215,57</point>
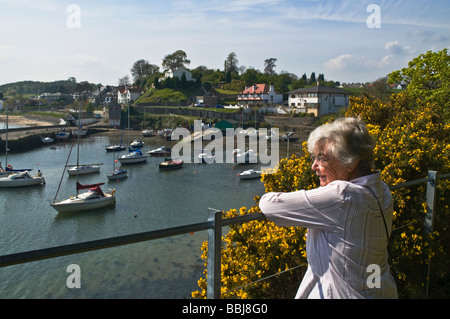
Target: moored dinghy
<point>249,174</point>
<point>117,174</point>
<point>171,164</point>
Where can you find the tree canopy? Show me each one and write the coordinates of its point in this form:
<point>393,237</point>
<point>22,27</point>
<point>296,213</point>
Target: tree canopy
<point>142,69</point>
<point>426,76</point>
<point>175,60</point>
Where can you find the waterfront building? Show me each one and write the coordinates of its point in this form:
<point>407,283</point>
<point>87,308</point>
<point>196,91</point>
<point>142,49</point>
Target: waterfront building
<point>259,94</point>
<point>128,94</point>
<point>318,99</point>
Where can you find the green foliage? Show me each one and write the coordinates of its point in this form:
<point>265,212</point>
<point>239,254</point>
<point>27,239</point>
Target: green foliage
<point>427,77</point>
<point>162,96</point>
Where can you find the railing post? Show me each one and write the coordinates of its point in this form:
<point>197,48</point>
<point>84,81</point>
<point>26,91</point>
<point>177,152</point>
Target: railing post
<point>429,218</point>
<point>431,202</point>
<point>213,280</point>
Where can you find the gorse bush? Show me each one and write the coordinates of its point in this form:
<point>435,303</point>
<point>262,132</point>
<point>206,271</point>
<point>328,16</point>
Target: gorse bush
<point>412,137</point>
<point>258,249</point>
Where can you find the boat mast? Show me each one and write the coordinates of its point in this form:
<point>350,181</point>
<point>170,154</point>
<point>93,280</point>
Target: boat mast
<point>128,116</point>
<point>6,142</point>
<point>78,145</point>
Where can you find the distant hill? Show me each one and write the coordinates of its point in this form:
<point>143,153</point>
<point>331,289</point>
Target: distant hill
<point>36,87</point>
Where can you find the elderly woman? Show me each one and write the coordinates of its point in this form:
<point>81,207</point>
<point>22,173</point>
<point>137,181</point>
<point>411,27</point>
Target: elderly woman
<point>349,217</point>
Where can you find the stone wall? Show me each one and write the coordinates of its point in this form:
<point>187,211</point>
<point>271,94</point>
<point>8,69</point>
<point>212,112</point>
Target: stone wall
<point>284,123</point>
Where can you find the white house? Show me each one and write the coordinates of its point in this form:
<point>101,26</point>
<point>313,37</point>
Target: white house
<point>126,94</point>
<point>319,99</point>
<point>260,94</point>
<point>178,73</point>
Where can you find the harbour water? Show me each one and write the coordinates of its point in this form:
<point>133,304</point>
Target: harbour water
<point>148,199</point>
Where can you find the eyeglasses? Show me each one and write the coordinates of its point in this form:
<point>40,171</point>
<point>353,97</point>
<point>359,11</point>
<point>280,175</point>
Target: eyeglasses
<point>320,159</point>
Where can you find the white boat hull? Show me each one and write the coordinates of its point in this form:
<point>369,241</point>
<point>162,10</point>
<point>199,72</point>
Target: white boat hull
<point>132,158</point>
<point>83,170</point>
<point>47,140</point>
<point>147,133</point>
<point>75,204</point>
<point>161,151</point>
<point>250,174</point>
<point>30,181</point>
<point>137,144</point>
<point>114,148</point>
<point>117,174</point>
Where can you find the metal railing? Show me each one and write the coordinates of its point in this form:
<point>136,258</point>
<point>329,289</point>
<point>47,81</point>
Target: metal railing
<point>214,227</point>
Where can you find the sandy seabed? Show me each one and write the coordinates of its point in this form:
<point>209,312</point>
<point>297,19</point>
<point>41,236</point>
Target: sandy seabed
<point>26,121</point>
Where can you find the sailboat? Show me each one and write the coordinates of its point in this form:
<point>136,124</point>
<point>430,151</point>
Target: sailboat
<point>93,198</point>
<point>116,173</point>
<point>133,156</point>
<point>21,179</point>
<point>115,147</point>
<point>11,177</point>
<point>83,169</point>
<point>62,134</point>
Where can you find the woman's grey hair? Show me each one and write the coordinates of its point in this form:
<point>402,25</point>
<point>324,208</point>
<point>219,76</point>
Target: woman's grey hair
<point>348,140</point>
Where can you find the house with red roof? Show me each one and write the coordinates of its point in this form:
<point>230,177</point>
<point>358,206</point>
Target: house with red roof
<point>128,94</point>
<point>259,94</point>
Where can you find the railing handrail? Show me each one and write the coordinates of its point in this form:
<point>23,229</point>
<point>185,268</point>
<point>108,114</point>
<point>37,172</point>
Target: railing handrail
<point>417,181</point>
<point>71,249</point>
<point>213,225</point>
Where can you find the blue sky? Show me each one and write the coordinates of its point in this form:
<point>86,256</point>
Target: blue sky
<point>38,41</point>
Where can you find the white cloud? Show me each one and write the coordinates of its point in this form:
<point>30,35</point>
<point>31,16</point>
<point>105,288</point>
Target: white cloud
<point>339,63</point>
<point>428,36</point>
<point>395,48</point>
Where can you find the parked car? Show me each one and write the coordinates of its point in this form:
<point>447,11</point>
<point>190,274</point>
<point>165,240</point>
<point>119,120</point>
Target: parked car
<point>218,106</point>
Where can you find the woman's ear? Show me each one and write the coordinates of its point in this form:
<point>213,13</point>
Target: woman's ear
<point>352,167</point>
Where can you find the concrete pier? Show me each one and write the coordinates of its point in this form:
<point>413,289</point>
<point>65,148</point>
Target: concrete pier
<point>25,139</point>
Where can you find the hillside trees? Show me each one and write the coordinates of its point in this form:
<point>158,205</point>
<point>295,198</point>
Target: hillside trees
<point>426,76</point>
<point>175,60</point>
<point>231,63</point>
<point>142,69</point>
<point>269,66</point>
<point>232,77</point>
